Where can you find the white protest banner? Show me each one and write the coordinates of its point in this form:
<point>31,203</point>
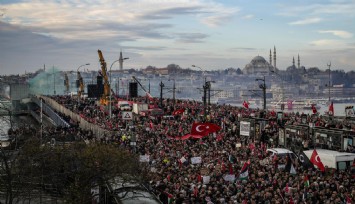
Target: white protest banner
<point>229,177</point>
<point>206,179</point>
<point>244,128</point>
<point>182,160</point>
<point>144,158</point>
<point>196,160</point>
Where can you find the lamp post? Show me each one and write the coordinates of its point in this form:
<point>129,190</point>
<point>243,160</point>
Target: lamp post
<point>53,81</point>
<point>207,87</point>
<point>263,87</point>
<point>173,92</point>
<point>282,89</point>
<point>79,77</point>
<point>110,103</point>
<point>329,81</point>
<point>161,93</point>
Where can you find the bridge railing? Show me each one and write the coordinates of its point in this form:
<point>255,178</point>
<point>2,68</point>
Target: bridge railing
<point>97,130</point>
<point>52,114</point>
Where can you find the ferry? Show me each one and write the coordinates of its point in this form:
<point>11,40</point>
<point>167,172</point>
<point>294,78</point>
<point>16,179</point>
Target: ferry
<point>295,104</point>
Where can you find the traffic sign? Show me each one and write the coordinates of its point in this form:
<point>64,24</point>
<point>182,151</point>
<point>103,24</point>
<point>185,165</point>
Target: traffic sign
<point>127,115</point>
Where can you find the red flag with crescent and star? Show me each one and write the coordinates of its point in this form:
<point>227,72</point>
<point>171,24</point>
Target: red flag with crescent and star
<point>179,112</point>
<point>315,159</point>
<point>314,109</point>
<point>204,129</point>
<point>331,109</point>
<point>246,104</point>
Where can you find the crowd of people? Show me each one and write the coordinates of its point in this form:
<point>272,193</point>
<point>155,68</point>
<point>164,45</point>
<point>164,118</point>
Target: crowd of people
<point>209,169</point>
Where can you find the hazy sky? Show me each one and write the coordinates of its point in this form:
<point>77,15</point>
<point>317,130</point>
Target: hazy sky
<point>208,33</point>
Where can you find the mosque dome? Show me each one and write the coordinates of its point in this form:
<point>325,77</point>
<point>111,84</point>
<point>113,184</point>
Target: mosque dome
<point>258,65</point>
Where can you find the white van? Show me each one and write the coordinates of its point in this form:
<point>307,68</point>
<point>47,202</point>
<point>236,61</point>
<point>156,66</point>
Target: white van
<point>124,105</point>
<point>333,159</point>
<point>280,152</point>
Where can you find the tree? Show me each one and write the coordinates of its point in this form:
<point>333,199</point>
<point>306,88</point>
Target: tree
<point>73,171</point>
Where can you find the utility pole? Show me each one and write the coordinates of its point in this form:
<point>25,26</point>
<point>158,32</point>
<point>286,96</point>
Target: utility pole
<point>263,87</point>
<point>174,94</point>
<point>205,86</point>
<point>329,80</point>
<point>53,81</point>
<point>161,93</point>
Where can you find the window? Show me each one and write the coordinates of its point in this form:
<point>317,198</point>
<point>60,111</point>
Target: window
<point>341,165</point>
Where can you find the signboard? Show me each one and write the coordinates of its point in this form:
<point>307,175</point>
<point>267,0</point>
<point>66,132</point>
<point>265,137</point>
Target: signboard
<point>144,158</point>
<point>196,160</point>
<point>127,115</point>
<point>206,179</point>
<point>281,136</point>
<point>245,128</point>
<point>229,177</point>
<point>349,111</point>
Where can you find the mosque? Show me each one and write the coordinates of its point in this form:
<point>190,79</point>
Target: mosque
<point>259,66</point>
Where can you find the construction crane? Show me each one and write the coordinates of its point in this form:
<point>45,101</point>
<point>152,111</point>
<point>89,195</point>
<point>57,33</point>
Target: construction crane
<point>80,84</point>
<point>66,83</point>
<point>104,100</point>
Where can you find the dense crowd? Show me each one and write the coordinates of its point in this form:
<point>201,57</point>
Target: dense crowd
<point>207,170</point>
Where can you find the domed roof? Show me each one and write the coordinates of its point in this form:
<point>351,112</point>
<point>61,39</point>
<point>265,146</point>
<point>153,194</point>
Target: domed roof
<point>258,59</point>
<point>258,65</point>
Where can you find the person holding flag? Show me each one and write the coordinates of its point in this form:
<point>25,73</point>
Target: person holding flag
<point>246,105</point>
<point>315,159</point>
<point>244,173</point>
<point>314,109</point>
<point>331,109</point>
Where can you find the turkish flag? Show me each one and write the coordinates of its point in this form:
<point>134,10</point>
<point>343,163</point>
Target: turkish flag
<point>246,104</point>
<point>314,109</point>
<point>178,112</point>
<point>204,129</point>
<point>331,109</point>
<point>315,159</point>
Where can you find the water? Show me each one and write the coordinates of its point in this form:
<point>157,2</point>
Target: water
<point>339,108</point>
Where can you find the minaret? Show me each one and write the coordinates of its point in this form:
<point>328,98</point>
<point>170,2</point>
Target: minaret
<point>270,58</point>
<point>299,62</point>
<point>293,61</point>
<point>121,61</point>
<point>274,57</point>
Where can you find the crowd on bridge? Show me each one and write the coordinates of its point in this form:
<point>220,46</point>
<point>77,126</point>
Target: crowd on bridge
<point>209,169</point>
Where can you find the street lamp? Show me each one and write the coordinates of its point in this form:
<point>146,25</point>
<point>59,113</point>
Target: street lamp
<point>79,80</point>
<point>208,84</point>
<point>329,81</point>
<point>263,87</point>
<point>110,105</point>
<point>173,92</point>
<point>161,93</point>
<point>282,89</point>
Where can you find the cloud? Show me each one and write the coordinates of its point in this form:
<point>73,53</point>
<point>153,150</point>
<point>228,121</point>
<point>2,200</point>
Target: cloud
<point>339,33</point>
<point>191,37</point>
<point>71,19</point>
<point>326,43</point>
<point>242,49</point>
<point>336,7</point>
<point>306,21</point>
<point>250,16</point>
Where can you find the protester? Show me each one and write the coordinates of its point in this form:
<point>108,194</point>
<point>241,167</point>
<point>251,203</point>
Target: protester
<point>221,166</point>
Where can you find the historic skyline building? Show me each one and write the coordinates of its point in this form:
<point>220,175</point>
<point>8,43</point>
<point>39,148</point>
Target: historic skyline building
<point>259,66</point>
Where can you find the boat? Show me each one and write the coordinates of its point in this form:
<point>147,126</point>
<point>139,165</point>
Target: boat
<point>295,104</point>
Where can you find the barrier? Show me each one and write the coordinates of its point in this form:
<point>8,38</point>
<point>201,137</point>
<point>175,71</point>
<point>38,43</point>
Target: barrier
<point>83,124</point>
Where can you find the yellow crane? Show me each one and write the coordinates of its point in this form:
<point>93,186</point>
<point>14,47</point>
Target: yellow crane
<point>66,83</point>
<point>104,100</point>
<point>80,84</point>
